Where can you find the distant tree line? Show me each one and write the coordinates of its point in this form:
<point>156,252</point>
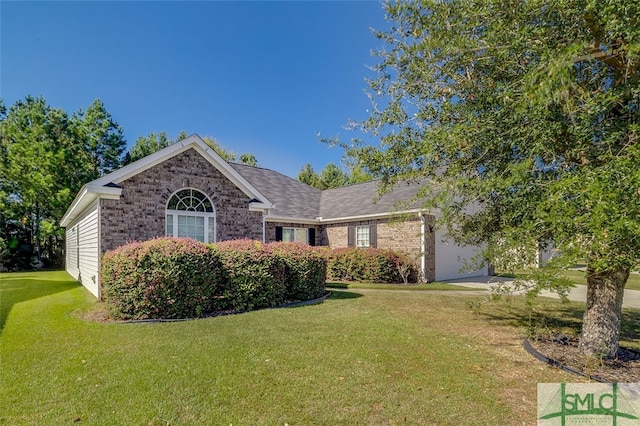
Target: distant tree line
<point>146,145</point>
<point>46,155</point>
<point>332,176</point>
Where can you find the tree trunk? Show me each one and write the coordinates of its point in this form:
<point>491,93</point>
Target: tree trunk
<point>601,321</point>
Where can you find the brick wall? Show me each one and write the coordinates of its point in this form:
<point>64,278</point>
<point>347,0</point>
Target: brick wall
<point>401,235</point>
<point>139,214</point>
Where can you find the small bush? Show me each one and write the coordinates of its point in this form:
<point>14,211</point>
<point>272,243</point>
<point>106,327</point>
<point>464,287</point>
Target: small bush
<point>306,270</point>
<point>161,278</point>
<point>368,265</point>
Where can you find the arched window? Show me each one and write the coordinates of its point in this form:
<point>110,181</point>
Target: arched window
<point>190,213</point>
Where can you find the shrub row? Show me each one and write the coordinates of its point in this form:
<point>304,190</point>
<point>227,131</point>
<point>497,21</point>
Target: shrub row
<point>181,278</point>
<point>369,265</point>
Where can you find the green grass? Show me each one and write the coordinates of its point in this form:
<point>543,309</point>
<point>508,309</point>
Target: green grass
<point>409,287</point>
<point>549,317</point>
<point>633,283</point>
<point>388,357</point>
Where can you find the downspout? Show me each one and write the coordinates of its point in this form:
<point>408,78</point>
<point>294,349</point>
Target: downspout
<point>423,248</point>
<point>264,225</point>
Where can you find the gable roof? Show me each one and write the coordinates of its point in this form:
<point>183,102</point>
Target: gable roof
<point>107,185</point>
<point>298,202</point>
<point>286,199</point>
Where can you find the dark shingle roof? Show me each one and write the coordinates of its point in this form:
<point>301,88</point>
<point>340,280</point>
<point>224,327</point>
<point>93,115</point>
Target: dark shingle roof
<point>294,199</point>
<point>363,199</point>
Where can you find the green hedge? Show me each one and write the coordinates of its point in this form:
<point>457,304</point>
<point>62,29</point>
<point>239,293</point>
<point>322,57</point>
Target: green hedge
<point>182,278</point>
<point>305,269</point>
<point>369,265</point>
<point>161,278</point>
<point>254,277</point>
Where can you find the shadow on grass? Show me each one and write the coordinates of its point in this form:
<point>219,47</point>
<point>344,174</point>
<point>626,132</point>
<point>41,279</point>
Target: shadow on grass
<point>21,287</point>
<point>341,295</point>
<point>333,285</point>
<point>557,318</point>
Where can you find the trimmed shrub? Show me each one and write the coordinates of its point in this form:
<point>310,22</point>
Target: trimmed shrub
<point>161,278</point>
<point>182,278</point>
<point>254,277</point>
<point>367,265</point>
<point>305,270</point>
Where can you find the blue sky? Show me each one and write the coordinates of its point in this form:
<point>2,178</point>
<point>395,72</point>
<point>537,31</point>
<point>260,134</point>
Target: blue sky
<point>260,77</point>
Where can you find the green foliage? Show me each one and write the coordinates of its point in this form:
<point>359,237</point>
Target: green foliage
<point>332,176</point>
<point>45,157</point>
<point>358,175</point>
<point>103,138</point>
<point>161,278</point>
<point>42,166</point>
<point>525,114</point>
<point>254,277</point>
<point>182,278</point>
<point>147,145</point>
<point>309,176</point>
<point>230,156</point>
<point>305,269</point>
<point>248,159</point>
<point>367,265</point>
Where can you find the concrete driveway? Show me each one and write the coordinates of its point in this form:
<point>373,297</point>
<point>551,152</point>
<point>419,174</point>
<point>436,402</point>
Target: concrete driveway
<point>577,293</point>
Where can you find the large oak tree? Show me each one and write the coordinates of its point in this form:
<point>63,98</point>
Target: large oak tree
<point>529,110</point>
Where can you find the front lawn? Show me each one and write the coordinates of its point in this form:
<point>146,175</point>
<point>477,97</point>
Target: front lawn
<point>361,357</point>
<point>577,276</point>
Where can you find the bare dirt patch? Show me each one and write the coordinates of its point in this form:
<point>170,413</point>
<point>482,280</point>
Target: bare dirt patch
<point>624,368</point>
<point>96,313</point>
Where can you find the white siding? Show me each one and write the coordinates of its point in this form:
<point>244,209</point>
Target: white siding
<point>82,259</point>
<point>450,259</point>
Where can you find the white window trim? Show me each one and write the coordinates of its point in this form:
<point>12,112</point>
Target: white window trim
<point>357,241</point>
<point>208,216</point>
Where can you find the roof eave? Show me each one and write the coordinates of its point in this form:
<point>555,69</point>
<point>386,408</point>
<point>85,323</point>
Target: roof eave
<point>87,195</point>
<point>371,216</point>
<point>286,219</point>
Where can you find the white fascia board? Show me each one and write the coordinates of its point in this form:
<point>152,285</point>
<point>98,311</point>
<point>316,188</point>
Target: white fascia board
<point>370,216</point>
<point>195,142</point>
<point>230,173</point>
<point>320,220</point>
<point>108,192</point>
<point>86,196</point>
<point>299,220</point>
<point>75,205</point>
<point>255,206</point>
<point>147,162</point>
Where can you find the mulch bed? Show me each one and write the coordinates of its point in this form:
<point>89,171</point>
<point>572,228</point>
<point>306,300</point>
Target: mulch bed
<point>624,368</point>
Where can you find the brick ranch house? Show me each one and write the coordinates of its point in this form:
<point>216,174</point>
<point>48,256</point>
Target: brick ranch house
<point>187,189</point>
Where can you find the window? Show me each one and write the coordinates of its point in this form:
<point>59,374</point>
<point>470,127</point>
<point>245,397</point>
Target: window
<point>191,214</point>
<point>362,236</point>
<point>300,235</point>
